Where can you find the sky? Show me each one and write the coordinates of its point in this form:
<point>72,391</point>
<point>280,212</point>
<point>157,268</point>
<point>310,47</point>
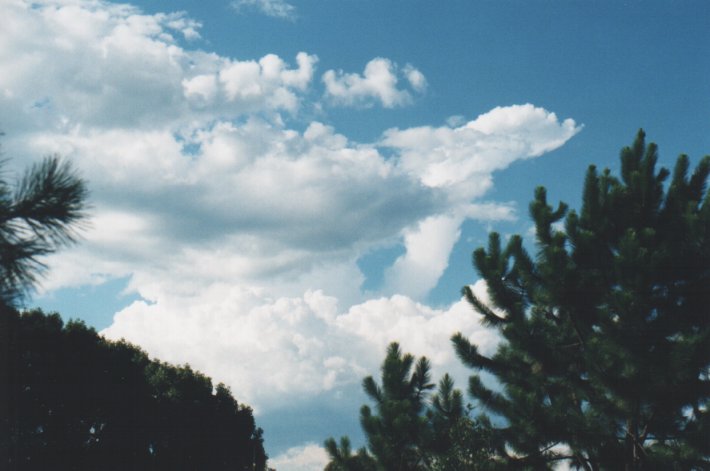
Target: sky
<point>281,188</point>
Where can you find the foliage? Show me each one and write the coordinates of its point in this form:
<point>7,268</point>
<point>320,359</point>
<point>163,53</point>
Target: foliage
<point>409,430</point>
<point>72,400</point>
<point>606,355</point>
<point>38,215</point>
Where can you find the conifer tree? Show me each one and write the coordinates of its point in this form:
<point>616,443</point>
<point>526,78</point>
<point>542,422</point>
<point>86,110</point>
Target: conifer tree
<point>396,430</point>
<point>605,361</point>
<point>456,441</point>
<point>38,215</point>
<point>409,430</point>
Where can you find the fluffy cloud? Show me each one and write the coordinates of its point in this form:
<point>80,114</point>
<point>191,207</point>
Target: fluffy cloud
<point>98,64</point>
<point>266,348</point>
<point>378,83</point>
<point>266,82</point>
<point>242,234</point>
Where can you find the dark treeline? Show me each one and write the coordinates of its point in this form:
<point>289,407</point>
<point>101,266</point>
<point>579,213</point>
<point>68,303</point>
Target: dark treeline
<point>72,400</point>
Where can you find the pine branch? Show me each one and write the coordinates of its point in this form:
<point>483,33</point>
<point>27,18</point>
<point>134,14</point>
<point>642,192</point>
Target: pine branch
<point>490,318</point>
<point>468,353</point>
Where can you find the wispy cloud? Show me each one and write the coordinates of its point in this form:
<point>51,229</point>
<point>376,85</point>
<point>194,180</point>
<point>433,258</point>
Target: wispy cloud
<point>274,8</point>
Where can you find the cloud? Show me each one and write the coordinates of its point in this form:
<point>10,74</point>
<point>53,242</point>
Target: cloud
<point>453,157</point>
<point>273,8</point>
<point>303,458</point>
<point>266,348</point>
<point>241,233</point>
<point>225,203</point>
<point>428,247</point>
<point>96,64</point>
<point>378,83</point>
<point>227,197</point>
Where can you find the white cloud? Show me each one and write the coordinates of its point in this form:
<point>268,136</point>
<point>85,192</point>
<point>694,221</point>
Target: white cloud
<point>427,246</point>
<point>96,64</point>
<point>454,157</point>
<point>267,81</point>
<point>266,347</point>
<point>378,83</point>
<point>308,457</point>
<point>274,8</point>
<point>418,328</point>
<point>226,203</point>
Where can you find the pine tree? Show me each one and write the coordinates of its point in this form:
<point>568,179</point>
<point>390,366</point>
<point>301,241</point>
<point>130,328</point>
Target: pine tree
<point>447,409</point>
<point>456,441</point>
<point>38,215</point>
<point>395,431</point>
<point>605,361</point>
<point>410,430</point>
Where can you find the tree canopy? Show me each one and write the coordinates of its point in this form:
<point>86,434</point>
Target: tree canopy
<point>605,361</point>
<point>72,400</point>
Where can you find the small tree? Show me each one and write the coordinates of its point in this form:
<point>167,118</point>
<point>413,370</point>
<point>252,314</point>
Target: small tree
<point>457,442</point>
<point>394,433</point>
<point>409,430</point>
<point>38,215</point>
<point>606,355</point>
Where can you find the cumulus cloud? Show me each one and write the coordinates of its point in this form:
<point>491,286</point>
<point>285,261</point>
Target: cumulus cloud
<point>242,234</point>
<point>274,8</point>
<point>225,208</point>
<point>97,64</point>
<point>266,347</point>
<point>377,84</point>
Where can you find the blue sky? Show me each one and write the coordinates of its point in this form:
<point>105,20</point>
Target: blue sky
<point>279,188</point>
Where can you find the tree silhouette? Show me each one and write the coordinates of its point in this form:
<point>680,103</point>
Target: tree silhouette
<point>606,355</point>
